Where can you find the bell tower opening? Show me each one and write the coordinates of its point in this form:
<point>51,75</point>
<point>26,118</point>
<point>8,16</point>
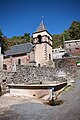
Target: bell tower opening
<point>39,39</point>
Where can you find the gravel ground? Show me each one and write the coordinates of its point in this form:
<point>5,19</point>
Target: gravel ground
<point>17,108</point>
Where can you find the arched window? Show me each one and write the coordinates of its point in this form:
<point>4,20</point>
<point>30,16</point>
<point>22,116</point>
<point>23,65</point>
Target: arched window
<point>19,61</point>
<point>39,65</point>
<point>49,56</point>
<point>39,38</point>
<point>4,67</point>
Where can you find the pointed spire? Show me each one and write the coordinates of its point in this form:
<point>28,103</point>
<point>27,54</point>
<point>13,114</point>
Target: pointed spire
<point>41,27</point>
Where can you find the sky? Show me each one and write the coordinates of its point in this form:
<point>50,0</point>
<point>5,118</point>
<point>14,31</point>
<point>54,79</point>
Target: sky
<point>24,16</point>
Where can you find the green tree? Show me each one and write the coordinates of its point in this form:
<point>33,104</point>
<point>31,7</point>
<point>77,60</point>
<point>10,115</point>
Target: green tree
<point>1,41</point>
<point>4,43</point>
<point>74,30</point>
<point>1,34</point>
<point>27,37</point>
<point>66,35</point>
<point>57,40</point>
<point>19,39</point>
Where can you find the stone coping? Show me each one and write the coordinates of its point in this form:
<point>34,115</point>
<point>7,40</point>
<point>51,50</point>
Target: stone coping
<point>38,86</point>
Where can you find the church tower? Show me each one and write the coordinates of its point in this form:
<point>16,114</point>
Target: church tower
<point>43,45</point>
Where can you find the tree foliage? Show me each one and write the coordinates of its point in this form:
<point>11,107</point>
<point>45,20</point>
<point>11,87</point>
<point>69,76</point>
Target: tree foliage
<point>1,34</point>
<point>73,33</point>
<point>15,40</point>
<point>19,39</point>
<point>74,30</point>
<point>57,40</point>
<point>1,41</point>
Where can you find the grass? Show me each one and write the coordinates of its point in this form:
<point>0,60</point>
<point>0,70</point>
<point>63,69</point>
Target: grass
<point>69,88</point>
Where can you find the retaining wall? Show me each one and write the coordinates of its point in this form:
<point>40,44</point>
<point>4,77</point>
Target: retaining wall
<point>28,74</point>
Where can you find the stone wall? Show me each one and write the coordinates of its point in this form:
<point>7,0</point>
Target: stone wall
<point>28,74</point>
<point>13,60</point>
<point>67,62</point>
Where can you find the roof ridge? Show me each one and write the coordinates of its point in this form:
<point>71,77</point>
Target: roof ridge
<point>22,44</point>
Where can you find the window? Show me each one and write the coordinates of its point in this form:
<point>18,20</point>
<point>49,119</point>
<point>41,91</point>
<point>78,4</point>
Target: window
<point>66,55</point>
<point>76,48</point>
<point>69,50</point>
<point>49,56</point>
<point>39,38</point>
<point>76,43</point>
<point>39,65</point>
<point>19,61</point>
<point>4,67</point>
<point>69,44</point>
<point>48,38</point>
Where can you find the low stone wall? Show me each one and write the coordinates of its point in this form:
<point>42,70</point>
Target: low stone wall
<point>66,62</point>
<point>28,74</point>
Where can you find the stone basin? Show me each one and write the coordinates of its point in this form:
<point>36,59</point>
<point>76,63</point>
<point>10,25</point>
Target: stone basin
<point>34,90</point>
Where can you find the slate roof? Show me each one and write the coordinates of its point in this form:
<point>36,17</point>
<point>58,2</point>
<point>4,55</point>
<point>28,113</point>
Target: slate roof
<point>41,27</point>
<point>19,49</point>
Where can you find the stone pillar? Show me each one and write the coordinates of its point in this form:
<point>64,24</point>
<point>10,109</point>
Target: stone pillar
<point>13,67</point>
<point>1,62</point>
<point>0,50</point>
<point>32,59</point>
<point>53,95</point>
<point>13,64</point>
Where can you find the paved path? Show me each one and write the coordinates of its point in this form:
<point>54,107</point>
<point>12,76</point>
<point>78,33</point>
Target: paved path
<point>30,110</point>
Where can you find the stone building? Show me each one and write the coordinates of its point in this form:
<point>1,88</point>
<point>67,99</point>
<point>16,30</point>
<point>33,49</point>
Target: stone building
<point>72,45</point>
<point>58,53</point>
<point>37,54</point>
<point>18,55</point>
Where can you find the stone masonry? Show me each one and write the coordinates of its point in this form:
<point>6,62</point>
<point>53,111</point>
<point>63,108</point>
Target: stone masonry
<point>28,74</point>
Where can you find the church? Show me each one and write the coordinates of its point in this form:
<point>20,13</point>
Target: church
<point>37,54</point>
